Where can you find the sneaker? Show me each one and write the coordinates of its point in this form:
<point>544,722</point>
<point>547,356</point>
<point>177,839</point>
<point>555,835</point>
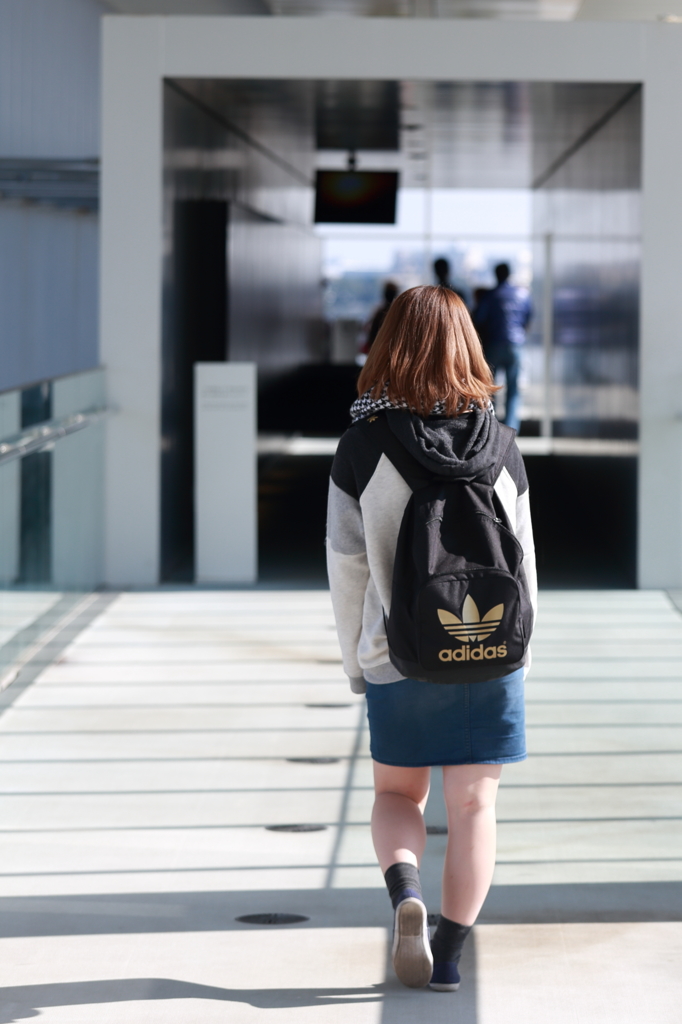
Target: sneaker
<point>412,959</point>
<point>445,978</point>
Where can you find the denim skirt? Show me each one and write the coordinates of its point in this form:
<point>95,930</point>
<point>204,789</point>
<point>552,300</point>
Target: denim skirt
<point>414,724</point>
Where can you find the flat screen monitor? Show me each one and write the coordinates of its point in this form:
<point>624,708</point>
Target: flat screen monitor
<point>355,197</point>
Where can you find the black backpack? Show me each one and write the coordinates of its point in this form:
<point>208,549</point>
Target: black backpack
<point>460,604</point>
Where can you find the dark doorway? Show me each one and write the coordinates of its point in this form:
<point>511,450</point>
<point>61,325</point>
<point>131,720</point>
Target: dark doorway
<point>35,548</point>
<point>251,144</point>
<point>195,331</point>
<point>292,512</point>
<point>584,520</point>
<point>35,515</point>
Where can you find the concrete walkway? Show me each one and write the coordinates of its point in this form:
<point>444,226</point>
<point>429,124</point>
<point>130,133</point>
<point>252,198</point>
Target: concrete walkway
<point>140,770</point>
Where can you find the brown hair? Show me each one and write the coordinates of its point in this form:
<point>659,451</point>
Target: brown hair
<point>426,351</point>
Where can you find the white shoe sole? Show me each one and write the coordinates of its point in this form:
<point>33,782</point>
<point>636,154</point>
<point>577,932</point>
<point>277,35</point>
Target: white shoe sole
<point>443,988</point>
<point>411,954</point>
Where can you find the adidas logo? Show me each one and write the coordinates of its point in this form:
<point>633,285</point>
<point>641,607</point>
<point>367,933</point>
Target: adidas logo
<point>468,653</point>
<point>471,626</point>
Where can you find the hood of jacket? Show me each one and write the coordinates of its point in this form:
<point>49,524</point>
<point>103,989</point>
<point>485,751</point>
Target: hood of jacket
<point>465,446</point>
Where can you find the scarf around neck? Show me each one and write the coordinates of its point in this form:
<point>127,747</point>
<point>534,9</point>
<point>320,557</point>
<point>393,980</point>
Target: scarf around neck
<point>365,406</point>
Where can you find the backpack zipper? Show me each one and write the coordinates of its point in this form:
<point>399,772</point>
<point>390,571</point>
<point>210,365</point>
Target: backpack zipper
<point>496,519</point>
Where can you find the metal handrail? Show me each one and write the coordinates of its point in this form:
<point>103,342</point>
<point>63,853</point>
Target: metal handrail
<point>43,435</point>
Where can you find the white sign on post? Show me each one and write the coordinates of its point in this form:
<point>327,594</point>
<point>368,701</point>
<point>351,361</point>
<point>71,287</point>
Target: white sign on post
<point>225,498</point>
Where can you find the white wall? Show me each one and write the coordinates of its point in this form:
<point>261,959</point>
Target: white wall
<point>49,78</point>
<point>48,292</point>
<point>49,109</point>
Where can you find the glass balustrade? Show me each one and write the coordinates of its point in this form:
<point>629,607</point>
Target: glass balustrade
<point>51,512</point>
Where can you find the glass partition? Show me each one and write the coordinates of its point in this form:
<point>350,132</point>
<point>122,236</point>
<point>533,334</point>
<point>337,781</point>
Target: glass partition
<point>51,489</point>
<point>51,483</point>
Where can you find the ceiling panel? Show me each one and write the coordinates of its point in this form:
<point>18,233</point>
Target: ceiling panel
<point>600,121</point>
<point>357,115</point>
<point>529,9</point>
<point>444,134</point>
<point>230,7</point>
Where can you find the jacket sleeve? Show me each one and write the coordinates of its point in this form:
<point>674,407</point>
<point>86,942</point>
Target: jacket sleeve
<point>524,534</point>
<point>347,567</point>
<point>512,491</point>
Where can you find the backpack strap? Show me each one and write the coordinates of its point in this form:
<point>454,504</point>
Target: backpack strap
<point>507,437</point>
<point>377,431</point>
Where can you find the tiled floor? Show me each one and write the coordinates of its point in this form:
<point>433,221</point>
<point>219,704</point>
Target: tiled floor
<point>138,773</point>
<point>28,620</point>
<point>18,609</point>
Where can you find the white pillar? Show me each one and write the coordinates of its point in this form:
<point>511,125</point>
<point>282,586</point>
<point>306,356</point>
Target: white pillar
<point>130,294</point>
<point>77,485</point>
<point>225,497</point>
<point>660,468</point>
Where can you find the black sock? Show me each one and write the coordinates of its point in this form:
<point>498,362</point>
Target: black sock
<point>446,944</point>
<point>402,880</point>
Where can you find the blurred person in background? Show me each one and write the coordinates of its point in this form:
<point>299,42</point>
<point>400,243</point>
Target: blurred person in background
<point>478,296</point>
<point>441,269</point>
<point>390,291</point>
<point>501,318</point>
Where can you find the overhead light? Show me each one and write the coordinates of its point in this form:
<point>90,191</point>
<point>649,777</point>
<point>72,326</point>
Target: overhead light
<point>671,18</point>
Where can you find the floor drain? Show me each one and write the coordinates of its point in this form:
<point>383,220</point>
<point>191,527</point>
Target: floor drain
<point>272,918</point>
<point>436,830</point>
<point>296,828</point>
<point>314,760</point>
<point>329,705</point>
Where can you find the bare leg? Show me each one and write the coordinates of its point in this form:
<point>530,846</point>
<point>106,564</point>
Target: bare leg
<point>399,837</point>
<point>398,829</point>
<point>470,791</point>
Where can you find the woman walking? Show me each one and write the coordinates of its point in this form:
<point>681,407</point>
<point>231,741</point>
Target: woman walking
<point>424,414</point>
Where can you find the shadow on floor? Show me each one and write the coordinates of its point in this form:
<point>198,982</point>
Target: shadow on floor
<point>409,1005</point>
<point>583,903</point>
<point>400,1005</point>
<point>338,908</point>
<point>24,1001</point>
<point>129,913</point>
<point>216,911</point>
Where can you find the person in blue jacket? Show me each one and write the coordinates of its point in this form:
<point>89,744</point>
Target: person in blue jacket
<point>501,319</point>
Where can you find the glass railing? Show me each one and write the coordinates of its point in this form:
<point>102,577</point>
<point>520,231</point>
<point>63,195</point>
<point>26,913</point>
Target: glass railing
<point>51,505</point>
